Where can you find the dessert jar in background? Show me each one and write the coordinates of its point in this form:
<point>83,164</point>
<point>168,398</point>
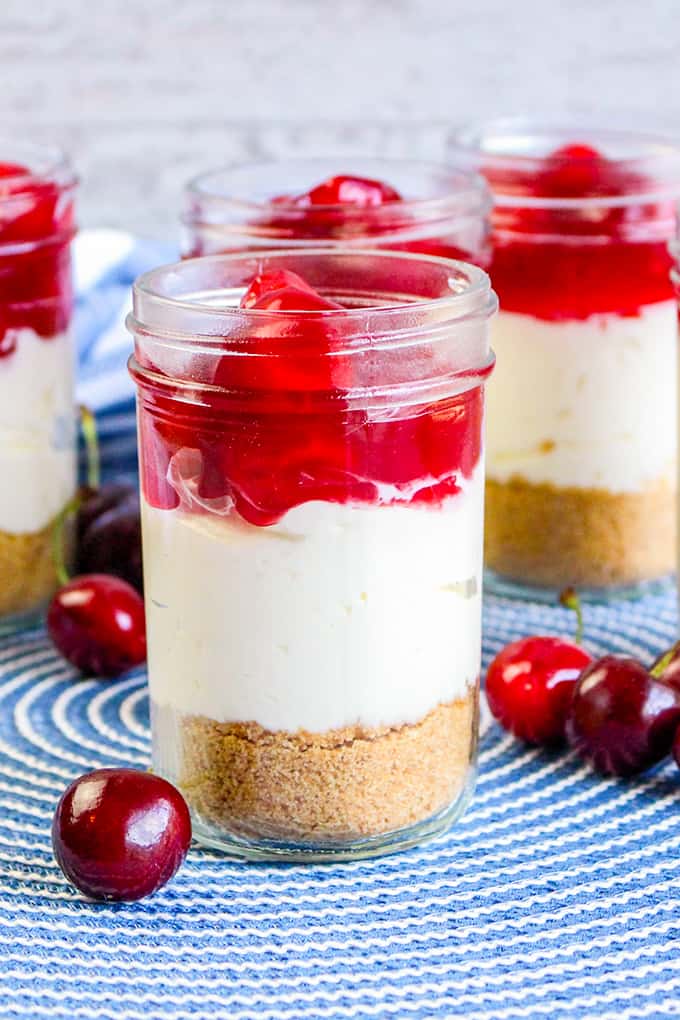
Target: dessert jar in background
<point>312,508</point>
<point>37,423</point>
<point>395,204</point>
<point>675,277</point>
<point>582,412</point>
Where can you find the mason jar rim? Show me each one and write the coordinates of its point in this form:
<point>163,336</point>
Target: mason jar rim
<point>178,339</point>
<point>476,298</point>
<point>44,163</point>
<point>657,156</point>
<point>466,187</point>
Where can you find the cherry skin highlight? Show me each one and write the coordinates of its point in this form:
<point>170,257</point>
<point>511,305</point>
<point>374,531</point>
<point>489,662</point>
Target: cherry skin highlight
<point>530,684</point>
<point>622,720</point>
<point>97,622</point>
<point>120,834</point>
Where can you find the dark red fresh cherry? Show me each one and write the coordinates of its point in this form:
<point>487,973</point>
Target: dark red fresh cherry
<point>97,623</point>
<point>621,718</point>
<point>272,280</point>
<point>120,834</point>
<point>109,534</point>
<point>530,684</point>
<point>362,192</point>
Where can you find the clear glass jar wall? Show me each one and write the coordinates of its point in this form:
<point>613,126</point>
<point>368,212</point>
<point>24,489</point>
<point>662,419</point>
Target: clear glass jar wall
<point>404,205</point>
<point>582,412</point>
<point>37,426</point>
<point>312,501</point>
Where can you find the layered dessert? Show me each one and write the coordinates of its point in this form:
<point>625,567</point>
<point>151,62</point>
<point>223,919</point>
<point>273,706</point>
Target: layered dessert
<point>313,580</point>
<point>582,412</point>
<point>37,450</point>
<point>398,205</point>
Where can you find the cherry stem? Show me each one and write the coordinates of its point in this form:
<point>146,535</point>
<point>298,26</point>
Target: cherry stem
<point>570,600</point>
<point>664,662</point>
<point>58,537</point>
<point>88,424</point>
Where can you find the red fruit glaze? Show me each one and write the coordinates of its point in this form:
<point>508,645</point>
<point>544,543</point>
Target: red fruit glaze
<point>293,299</point>
<point>272,280</point>
<point>593,265</point>
<point>120,834</point>
<point>621,719</point>
<point>97,622</point>
<point>530,684</point>
<point>362,192</point>
<point>35,283</point>
<point>271,459</point>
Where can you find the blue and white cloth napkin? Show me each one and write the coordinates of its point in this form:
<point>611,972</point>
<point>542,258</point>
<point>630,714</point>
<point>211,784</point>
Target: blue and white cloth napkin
<point>107,262</point>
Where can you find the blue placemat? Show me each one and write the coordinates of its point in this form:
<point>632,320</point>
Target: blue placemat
<point>557,894</point>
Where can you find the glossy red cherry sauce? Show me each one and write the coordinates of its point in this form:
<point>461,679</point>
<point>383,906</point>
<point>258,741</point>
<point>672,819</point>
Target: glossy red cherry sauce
<point>36,227</point>
<point>601,256</point>
<point>347,207</point>
<point>298,440</point>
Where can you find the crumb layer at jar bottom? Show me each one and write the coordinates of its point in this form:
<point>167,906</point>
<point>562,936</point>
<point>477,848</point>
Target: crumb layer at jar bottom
<point>553,536</point>
<point>329,787</point>
<point>27,570</point>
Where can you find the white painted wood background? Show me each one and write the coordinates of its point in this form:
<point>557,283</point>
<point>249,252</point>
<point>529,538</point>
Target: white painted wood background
<point>145,93</point>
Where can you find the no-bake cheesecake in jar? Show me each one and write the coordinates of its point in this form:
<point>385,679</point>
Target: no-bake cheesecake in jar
<point>371,203</point>
<point>582,412</point>
<point>311,443</point>
<point>37,449</point>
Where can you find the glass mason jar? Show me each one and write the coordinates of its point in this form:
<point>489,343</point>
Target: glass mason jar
<point>581,462</point>
<point>257,206</point>
<point>675,277</point>
<point>312,504</point>
<point>37,423</point>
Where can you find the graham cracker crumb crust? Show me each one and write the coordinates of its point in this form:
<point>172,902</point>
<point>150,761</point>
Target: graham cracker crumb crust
<point>546,535</point>
<point>27,572</point>
<point>339,785</point>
